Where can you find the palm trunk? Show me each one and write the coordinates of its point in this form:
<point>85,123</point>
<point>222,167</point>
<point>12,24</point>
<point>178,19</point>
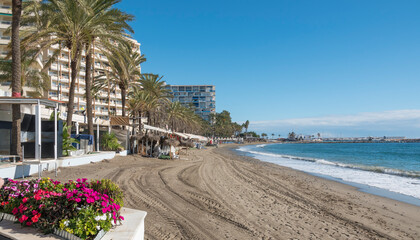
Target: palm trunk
<point>88,80</point>
<point>70,104</point>
<point>173,126</point>
<point>123,94</point>
<point>45,93</point>
<point>15,147</point>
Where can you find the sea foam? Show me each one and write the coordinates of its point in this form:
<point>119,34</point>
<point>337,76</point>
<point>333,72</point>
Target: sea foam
<point>395,180</point>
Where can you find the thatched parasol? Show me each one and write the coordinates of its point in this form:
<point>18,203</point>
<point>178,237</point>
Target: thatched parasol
<point>187,143</point>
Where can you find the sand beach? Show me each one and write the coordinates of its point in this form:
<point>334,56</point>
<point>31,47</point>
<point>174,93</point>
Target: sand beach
<point>216,194</point>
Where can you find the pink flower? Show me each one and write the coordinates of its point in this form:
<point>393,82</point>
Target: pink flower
<point>117,207</point>
<point>121,218</point>
<point>77,199</point>
<point>24,200</point>
<point>90,200</point>
<point>28,223</point>
<point>104,204</point>
<point>34,212</point>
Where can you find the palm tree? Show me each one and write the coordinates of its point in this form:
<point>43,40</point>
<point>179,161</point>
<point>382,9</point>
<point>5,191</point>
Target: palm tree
<point>16,76</point>
<point>176,114</point>
<point>140,102</point>
<point>124,63</point>
<point>107,27</point>
<point>67,25</point>
<point>246,125</point>
<point>30,75</point>
<point>153,84</point>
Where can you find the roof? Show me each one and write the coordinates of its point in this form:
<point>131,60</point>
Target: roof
<point>118,120</point>
<point>16,100</point>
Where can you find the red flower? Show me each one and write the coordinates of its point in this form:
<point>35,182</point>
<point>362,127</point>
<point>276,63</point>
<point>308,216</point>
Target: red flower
<point>35,219</point>
<point>23,218</point>
<point>34,212</point>
<point>24,200</point>
<point>29,223</point>
<point>15,211</point>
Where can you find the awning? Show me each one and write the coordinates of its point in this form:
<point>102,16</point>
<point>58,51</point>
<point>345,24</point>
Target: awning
<point>118,120</point>
<point>183,135</point>
<point>148,127</point>
<point>197,137</point>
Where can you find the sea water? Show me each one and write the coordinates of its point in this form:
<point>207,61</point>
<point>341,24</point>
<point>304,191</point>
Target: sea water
<point>391,166</point>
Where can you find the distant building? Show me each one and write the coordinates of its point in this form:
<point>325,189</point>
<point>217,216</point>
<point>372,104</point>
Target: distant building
<point>201,97</point>
<point>302,137</point>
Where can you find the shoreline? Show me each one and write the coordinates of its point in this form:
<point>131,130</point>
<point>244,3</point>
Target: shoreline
<point>360,187</point>
<point>215,193</point>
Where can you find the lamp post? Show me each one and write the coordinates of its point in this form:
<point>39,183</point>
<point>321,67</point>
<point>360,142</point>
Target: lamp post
<point>97,134</point>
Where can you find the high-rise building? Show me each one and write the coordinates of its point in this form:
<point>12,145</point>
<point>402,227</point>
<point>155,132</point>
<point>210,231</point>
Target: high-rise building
<point>5,22</point>
<point>108,101</point>
<point>201,97</point>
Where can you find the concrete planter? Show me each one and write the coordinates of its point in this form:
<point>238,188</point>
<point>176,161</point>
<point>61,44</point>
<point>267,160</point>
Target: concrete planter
<point>131,229</point>
<point>17,170</point>
<point>123,153</point>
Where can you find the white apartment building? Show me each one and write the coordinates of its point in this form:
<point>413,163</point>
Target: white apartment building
<point>5,22</point>
<point>108,101</point>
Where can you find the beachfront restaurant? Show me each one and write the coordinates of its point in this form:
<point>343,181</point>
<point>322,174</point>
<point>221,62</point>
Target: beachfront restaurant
<point>42,138</point>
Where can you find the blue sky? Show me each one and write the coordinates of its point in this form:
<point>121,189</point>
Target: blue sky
<point>274,61</point>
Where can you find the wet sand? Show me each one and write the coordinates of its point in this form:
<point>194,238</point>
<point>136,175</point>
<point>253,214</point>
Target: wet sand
<point>216,194</point>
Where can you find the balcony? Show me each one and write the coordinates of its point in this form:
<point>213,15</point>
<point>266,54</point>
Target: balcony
<point>5,24</point>
<point>6,9</point>
<point>62,58</point>
<point>102,103</point>
<point>64,89</point>
<point>5,40</point>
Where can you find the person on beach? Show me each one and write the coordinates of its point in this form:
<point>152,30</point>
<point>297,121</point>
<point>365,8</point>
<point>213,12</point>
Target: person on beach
<point>1,182</point>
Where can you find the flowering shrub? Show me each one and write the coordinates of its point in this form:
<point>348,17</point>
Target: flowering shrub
<point>74,207</point>
<point>106,186</point>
